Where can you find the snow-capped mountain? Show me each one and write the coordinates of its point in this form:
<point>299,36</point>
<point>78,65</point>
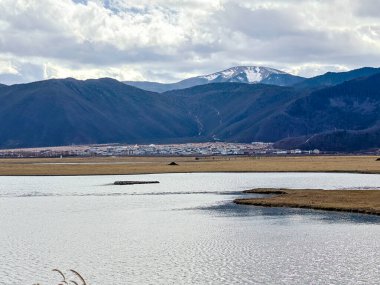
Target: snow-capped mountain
<point>241,74</point>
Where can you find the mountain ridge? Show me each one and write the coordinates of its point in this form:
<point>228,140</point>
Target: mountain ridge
<point>63,112</point>
<point>240,74</point>
<point>344,116</point>
<point>334,78</point>
<point>69,111</point>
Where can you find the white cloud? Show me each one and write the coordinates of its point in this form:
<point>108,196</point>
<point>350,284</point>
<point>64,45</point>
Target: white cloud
<point>121,73</point>
<point>311,69</point>
<point>7,67</point>
<point>166,40</point>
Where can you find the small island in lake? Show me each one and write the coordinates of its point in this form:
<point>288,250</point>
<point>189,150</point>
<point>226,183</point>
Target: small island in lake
<point>134,182</point>
<point>357,201</point>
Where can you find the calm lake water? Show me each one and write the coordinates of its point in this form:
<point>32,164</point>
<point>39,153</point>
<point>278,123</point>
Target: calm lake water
<point>185,230</point>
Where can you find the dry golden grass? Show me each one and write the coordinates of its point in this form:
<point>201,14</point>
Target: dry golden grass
<point>142,165</point>
<point>359,201</point>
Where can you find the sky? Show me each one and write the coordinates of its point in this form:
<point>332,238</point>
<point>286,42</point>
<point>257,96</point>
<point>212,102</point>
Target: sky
<point>168,40</point>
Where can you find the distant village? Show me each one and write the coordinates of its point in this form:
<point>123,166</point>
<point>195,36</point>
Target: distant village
<point>188,149</point>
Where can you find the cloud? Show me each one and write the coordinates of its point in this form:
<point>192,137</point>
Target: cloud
<point>260,23</point>
<point>367,8</point>
<point>167,40</point>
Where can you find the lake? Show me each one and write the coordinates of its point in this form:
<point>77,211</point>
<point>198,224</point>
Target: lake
<point>185,230</point>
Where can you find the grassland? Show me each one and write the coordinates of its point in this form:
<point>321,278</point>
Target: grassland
<point>144,165</point>
<point>358,201</point>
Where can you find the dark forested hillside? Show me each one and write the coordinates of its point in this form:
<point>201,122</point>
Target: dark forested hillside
<point>335,78</point>
<point>68,111</point>
<point>346,116</point>
<point>235,111</point>
<point>345,141</point>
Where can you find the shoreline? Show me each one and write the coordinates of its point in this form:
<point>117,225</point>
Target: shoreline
<point>352,201</point>
<point>184,172</point>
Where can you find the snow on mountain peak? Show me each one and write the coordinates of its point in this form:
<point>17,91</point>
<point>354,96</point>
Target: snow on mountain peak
<point>245,74</point>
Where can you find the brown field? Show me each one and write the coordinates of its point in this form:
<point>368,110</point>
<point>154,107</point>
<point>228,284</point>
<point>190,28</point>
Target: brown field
<point>358,201</point>
<point>143,165</point>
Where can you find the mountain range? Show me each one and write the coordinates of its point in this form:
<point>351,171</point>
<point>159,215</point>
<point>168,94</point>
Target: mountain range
<point>334,111</point>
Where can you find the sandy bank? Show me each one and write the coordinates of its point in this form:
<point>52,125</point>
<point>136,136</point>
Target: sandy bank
<point>357,201</point>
